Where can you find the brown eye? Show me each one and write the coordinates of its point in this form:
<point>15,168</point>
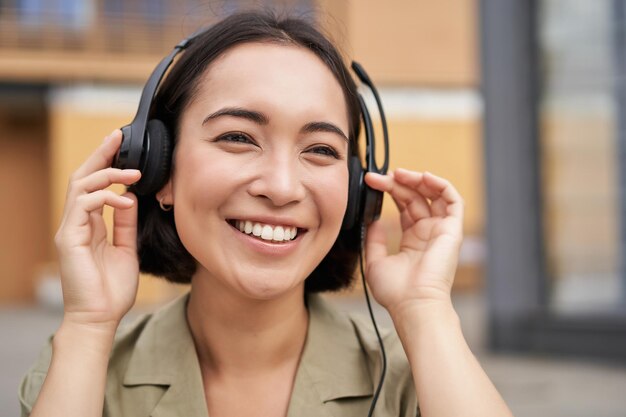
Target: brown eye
<point>235,137</point>
<point>325,150</point>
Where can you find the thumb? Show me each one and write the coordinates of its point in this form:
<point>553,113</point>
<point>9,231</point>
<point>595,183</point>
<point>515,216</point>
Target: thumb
<point>125,226</point>
<point>375,243</point>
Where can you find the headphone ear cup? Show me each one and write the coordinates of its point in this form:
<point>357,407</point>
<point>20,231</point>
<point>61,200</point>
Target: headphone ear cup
<point>156,161</point>
<point>372,205</point>
<point>355,194</point>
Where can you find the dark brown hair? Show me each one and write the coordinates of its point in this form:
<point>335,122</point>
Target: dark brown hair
<point>160,250</point>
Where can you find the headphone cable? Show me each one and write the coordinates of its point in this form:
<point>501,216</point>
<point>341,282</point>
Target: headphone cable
<point>380,340</point>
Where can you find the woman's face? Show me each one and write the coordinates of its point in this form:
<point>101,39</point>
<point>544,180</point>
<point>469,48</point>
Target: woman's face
<point>262,147</point>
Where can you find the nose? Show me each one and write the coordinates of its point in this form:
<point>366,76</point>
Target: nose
<point>279,180</point>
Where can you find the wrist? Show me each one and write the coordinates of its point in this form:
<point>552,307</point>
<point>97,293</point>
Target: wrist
<point>89,338</point>
<point>95,322</point>
<point>419,315</point>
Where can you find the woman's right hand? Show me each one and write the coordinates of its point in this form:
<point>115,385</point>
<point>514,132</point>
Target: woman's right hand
<point>99,278</point>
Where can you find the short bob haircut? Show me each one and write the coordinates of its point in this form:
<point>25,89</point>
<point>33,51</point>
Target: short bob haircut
<point>159,247</point>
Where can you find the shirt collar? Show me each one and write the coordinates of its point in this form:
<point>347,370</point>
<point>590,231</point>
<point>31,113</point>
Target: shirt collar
<point>333,356</point>
<point>333,363</point>
<point>165,355</point>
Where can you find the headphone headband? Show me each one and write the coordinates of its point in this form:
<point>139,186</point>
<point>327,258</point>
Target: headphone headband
<point>130,151</point>
<point>150,89</point>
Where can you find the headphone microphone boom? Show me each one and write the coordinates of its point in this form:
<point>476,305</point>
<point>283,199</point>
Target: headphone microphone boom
<point>147,146</point>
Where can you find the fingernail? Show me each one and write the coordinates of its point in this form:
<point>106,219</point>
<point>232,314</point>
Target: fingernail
<point>113,132</point>
<point>110,135</point>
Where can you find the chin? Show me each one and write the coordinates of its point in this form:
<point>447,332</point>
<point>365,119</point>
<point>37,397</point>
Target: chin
<point>265,287</point>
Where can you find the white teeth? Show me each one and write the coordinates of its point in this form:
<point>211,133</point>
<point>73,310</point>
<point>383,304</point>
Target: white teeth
<point>279,234</point>
<point>267,232</point>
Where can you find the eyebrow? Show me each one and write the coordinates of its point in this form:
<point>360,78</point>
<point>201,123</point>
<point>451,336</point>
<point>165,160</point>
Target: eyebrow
<point>254,116</point>
<point>324,127</point>
<point>262,119</point>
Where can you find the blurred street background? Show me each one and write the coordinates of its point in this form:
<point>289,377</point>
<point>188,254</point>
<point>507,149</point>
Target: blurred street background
<point>520,104</point>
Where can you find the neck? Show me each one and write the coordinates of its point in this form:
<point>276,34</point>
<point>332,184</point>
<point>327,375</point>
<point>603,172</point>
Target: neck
<point>238,335</point>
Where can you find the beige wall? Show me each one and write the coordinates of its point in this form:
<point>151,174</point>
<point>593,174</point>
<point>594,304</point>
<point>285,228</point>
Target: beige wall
<point>448,148</point>
<point>25,204</point>
<point>418,42</point>
<point>24,65</point>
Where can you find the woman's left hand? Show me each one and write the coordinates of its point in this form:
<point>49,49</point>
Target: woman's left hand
<point>431,216</point>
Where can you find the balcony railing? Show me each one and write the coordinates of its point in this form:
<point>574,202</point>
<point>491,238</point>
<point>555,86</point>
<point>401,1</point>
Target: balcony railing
<point>126,33</point>
<point>122,26</point>
<point>60,40</point>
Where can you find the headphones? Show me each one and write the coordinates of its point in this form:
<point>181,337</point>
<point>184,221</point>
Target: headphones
<point>147,146</point>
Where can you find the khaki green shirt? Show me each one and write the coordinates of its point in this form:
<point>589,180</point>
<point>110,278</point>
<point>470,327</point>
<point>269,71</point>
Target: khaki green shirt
<point>154,369</point>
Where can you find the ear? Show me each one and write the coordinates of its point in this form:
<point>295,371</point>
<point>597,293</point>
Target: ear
<point>165,194</point>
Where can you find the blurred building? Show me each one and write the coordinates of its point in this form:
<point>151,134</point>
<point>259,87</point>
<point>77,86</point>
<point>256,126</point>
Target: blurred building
<point>544,185</point>
<point>554,83</point>
<point>72,70</point>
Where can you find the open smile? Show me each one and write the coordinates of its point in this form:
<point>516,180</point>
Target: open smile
<point>267,232</point>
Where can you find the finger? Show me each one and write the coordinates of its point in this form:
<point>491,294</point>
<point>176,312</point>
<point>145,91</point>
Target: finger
<point>410,178</point>
<point>381,182</point>
<point>415,181</point>
<point>401,193</point>
<point>104,178</point>
<point>87,203</point>
<point>446,199</point>
<point>414,212</point>
<point>125,226</point>
<point>430,185</point>
<point>441,192</point>
<point>102,156</point>
<point>407,198</point>
<point>95,181</point>
<point>97,226</point>
<point>375,242</point>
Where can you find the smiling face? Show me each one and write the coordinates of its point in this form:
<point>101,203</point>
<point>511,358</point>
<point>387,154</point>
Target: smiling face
<point>262,150</point>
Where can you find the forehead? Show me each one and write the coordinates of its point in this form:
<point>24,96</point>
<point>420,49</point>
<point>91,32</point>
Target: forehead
<point>259,72</point>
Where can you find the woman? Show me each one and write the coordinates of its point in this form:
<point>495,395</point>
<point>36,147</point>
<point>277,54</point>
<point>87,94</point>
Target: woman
<point>264,117</point>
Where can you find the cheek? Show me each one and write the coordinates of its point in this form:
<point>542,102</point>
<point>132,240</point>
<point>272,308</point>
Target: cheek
<point>200,188</point>
<point>332,194</point>
<point>201,179</point>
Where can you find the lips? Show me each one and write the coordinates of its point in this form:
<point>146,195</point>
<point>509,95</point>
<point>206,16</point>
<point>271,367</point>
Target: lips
<point>267,232</point>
